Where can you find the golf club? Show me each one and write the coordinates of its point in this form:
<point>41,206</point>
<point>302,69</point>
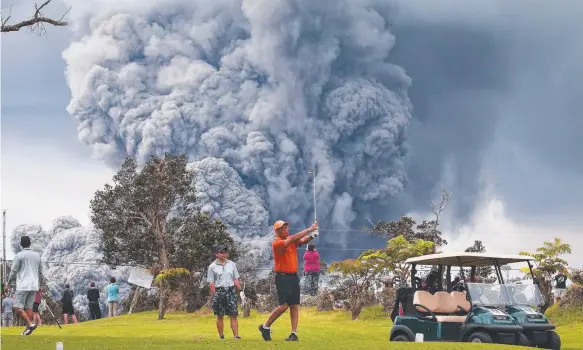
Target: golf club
<point>316,232</point>
<point>47,305</point>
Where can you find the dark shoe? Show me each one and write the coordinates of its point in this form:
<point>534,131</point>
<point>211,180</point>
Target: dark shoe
<point>29,329</point>
<point>236,337</point>
<point>265,333</point>
<point>292,337</point>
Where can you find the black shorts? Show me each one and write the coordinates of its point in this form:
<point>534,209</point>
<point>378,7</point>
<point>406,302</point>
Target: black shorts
<point>225,302</point>
<point>68,310</point>
<point>35,307</point>
<point>288,289</point>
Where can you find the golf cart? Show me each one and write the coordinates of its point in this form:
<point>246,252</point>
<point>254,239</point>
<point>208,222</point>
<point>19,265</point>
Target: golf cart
<point>457,310</point>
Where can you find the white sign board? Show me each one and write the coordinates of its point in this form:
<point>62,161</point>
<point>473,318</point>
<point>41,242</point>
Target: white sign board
<point>141,277</point>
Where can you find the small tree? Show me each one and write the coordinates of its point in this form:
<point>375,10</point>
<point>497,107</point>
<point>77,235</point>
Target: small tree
<point>364,270</point>
<point>150,218</point>
<point>360,273</point>
<point>35,24</point>
<point>479,247</point>
<point>548,263</point>
<point>398,250</point>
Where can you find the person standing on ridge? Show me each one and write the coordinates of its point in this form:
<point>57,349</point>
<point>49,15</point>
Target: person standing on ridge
<point>112,291</point>
<point>67,304</point>
<point>35,309</point>
<point>93,299</point>
<point>312,268</point>
<point>287,282</point>
<point>560,286</point>
<point>27,271</point>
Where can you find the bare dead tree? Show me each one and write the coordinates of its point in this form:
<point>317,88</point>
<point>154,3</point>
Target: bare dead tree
<point>437,209</point>
<point>36,24</point>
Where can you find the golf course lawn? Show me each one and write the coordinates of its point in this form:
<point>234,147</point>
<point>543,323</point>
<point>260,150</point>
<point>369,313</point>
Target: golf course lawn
<point>317,330</point>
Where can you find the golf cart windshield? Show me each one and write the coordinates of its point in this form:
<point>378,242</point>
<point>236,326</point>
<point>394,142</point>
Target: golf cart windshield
<point>483,294</point>
<point>524,294</point>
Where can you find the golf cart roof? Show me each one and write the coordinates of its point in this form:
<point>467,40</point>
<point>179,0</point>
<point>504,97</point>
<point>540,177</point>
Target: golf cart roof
<point>467,259</point>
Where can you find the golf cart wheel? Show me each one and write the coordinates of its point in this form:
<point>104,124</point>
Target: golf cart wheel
<point>523,340</point>
<point>401,337</point>
<point>480,337</point>
<point>554,341</point>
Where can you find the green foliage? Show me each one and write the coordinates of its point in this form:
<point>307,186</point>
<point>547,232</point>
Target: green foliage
<point>195,239</point>
<point>548,262</point>
<point>371,263</point>
<point>150,218</point>
<point>133,213</point>
<point>172,278</point>
<point>548,259</point>
<point>398,250</point>
<point>408,228</point>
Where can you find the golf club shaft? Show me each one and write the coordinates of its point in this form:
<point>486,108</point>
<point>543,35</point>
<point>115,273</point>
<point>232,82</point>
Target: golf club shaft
<point>315,217</point>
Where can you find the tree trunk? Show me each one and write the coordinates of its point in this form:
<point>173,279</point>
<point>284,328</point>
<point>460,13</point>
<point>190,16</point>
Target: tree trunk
<point>546,288</point>
<point>163,303</point>
<point>247,309</point>
<point>165,263</point>
<point>355,310</point>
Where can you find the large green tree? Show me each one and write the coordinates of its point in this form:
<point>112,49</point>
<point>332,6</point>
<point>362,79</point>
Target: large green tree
<point>149,217</point>
<point>549,262</point>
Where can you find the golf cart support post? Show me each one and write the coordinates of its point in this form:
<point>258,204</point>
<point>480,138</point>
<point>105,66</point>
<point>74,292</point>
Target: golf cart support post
<point>474,312</point>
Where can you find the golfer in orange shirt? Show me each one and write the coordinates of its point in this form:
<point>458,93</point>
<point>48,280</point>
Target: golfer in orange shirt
<point>287,281</point>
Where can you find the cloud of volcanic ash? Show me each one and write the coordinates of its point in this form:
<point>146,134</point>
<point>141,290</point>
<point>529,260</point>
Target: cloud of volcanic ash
<point>274,88</point>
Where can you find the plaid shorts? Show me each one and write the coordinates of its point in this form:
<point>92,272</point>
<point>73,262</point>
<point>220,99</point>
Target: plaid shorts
<point>225,302</point>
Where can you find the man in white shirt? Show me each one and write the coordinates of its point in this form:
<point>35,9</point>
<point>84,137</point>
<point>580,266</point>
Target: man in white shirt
<point>27,271</point>
<point>223,277</point>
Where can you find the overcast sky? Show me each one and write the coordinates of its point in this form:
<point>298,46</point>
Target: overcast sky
<point>498,114</point>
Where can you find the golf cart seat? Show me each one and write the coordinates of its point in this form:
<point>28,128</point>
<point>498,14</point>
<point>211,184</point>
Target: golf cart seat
<point>462,300</point>
<point>440,305</point>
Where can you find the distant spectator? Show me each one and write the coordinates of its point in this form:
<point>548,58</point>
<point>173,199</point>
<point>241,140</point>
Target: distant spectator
<point>560,286</point>
<point>7,315</point>
<point>93,298</point>
<point>112,297</point>
<point>67,304</point>
<point>27,272</point>
<point>35,305</point>
<point>312,268</point>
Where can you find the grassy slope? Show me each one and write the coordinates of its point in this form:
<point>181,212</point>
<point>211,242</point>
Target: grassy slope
<point>318,330</point>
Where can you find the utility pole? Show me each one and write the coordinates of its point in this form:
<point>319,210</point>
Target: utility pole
<point>3,245</point>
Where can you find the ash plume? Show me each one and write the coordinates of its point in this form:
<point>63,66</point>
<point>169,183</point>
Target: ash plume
<point>274,88</point>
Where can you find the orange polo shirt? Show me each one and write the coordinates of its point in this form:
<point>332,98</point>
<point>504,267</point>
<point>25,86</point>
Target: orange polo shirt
<point>287,261</point>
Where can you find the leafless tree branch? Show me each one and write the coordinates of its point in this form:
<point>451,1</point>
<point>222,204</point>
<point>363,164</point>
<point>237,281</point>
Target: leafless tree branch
<point>437,209</point>
<point>34,24</point>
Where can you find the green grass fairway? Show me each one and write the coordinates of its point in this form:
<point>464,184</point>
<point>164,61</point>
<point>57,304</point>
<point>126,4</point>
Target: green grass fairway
<point>317,330</point>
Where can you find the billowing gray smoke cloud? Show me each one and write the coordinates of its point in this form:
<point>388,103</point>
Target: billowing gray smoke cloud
<point>220,191</point>
<point>272,87</point>
<point>276,87</point>
<point>70,255</point>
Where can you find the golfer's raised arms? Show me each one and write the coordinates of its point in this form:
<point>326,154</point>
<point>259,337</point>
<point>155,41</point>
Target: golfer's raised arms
<point>300,238</point>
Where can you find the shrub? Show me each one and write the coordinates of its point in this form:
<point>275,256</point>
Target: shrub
<point>325,301</point>
<point>172,278</point>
